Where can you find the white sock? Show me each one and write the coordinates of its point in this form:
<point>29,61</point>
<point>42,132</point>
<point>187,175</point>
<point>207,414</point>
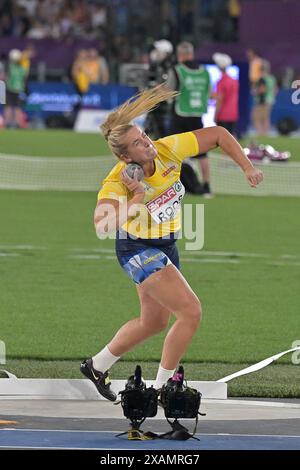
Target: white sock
<point>162,376</point>
<point>104,360</point>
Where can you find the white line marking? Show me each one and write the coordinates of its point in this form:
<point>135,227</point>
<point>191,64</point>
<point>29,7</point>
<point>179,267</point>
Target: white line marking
<point>94,250</point>
<point>231,253</point>
<point>92,257</point>
<point>252,403</point>
<point>200,253</point>
<point>22,247</point>
<point>207,260</point>
<point>63,448</point>
<point>182,258</point>
<point>86,257</point>
<point>9,254</point>
<point>58,430</point>
<point>113,432</point>
<point>282,263</point>
<point>109,158</point>
<point>190,260</point>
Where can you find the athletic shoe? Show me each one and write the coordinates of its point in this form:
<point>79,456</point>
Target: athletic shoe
<point>101,380</point>
<point>207,191</point>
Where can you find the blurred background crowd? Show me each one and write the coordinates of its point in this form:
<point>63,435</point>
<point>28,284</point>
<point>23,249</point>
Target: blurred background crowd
<point>106,20</point>
<point>133,43</point>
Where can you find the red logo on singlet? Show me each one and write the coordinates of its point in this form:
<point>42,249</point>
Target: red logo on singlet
<point>165,173</point>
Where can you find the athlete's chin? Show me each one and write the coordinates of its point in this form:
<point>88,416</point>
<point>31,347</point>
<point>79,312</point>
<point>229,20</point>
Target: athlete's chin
<point>152,154</point>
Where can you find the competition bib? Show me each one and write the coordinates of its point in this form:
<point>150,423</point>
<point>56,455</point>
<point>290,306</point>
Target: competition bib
<point>166,206</point>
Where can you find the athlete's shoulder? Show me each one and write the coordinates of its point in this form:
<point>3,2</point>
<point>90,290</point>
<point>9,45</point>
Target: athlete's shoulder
<point>163,142</point>
<point>172,141</point>
<point>112,186</point>
<point>114,175</point>
<point>178,146</point>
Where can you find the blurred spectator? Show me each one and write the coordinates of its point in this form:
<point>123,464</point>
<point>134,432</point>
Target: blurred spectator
<point>255,65</point>
<point>187,15</point>
<point>271,83</point>
<point>264,92</point>
<point>22,23</point>
<point>206,8</point>
<point>234,11</point>
<point>38,19</point>
<point>88,68</point>
<point>65,24</point>
<point>287,78</point>
<point>38,30</point>
<point>29,6</point>
<point>48,8</point>
<point>221,21</point>
<point>227,95</point>
<point>80,73</point>
<point>160,64</point>
<point>15,86</point>
<point>97,68</point>
<point>177,20</point>
<point>193,83</point>
<point>2,67</point>
<point>168,28</point>
<point>6,25</point>
<point>27,55</point>
<point>98,16</point>
<point>160,61</point>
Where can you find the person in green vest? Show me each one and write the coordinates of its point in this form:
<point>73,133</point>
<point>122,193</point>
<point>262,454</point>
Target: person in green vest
<point>15,85</point>
<point>193,84</point>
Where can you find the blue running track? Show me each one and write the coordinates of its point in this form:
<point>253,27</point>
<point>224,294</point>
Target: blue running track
<point>102,440</point>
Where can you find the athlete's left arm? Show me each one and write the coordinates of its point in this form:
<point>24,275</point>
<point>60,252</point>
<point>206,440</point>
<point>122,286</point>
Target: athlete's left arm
<point>217,136</point>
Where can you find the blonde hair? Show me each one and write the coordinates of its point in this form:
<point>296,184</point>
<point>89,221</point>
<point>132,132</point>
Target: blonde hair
<point>118,123</point>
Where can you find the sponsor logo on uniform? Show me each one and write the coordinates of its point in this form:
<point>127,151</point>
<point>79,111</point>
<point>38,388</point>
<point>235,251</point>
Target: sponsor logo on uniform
<point>161,199</point>
<point>165,173</point>
<point>151,258</point>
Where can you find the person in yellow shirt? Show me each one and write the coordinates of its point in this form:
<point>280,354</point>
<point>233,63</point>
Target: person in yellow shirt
<point>146,217</point>
<point>234,11</point>
<point>255,65</point>
<point>27,55</point>
<point>97,68</point>
<point>80,73</point>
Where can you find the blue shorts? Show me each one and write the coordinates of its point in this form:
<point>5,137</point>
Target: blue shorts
<point>141,257</point>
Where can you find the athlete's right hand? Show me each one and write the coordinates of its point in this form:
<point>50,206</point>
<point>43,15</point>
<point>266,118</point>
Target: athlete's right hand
<point>134,186</point>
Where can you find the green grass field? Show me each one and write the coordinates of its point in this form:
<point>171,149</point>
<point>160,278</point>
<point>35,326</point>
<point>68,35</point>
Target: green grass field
<point>69,144</point>
<point>63,296</point>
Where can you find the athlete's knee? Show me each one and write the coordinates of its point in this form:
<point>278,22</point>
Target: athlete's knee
<point>160,323</point>
<point>196,311</point>
<point>192,312</point>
